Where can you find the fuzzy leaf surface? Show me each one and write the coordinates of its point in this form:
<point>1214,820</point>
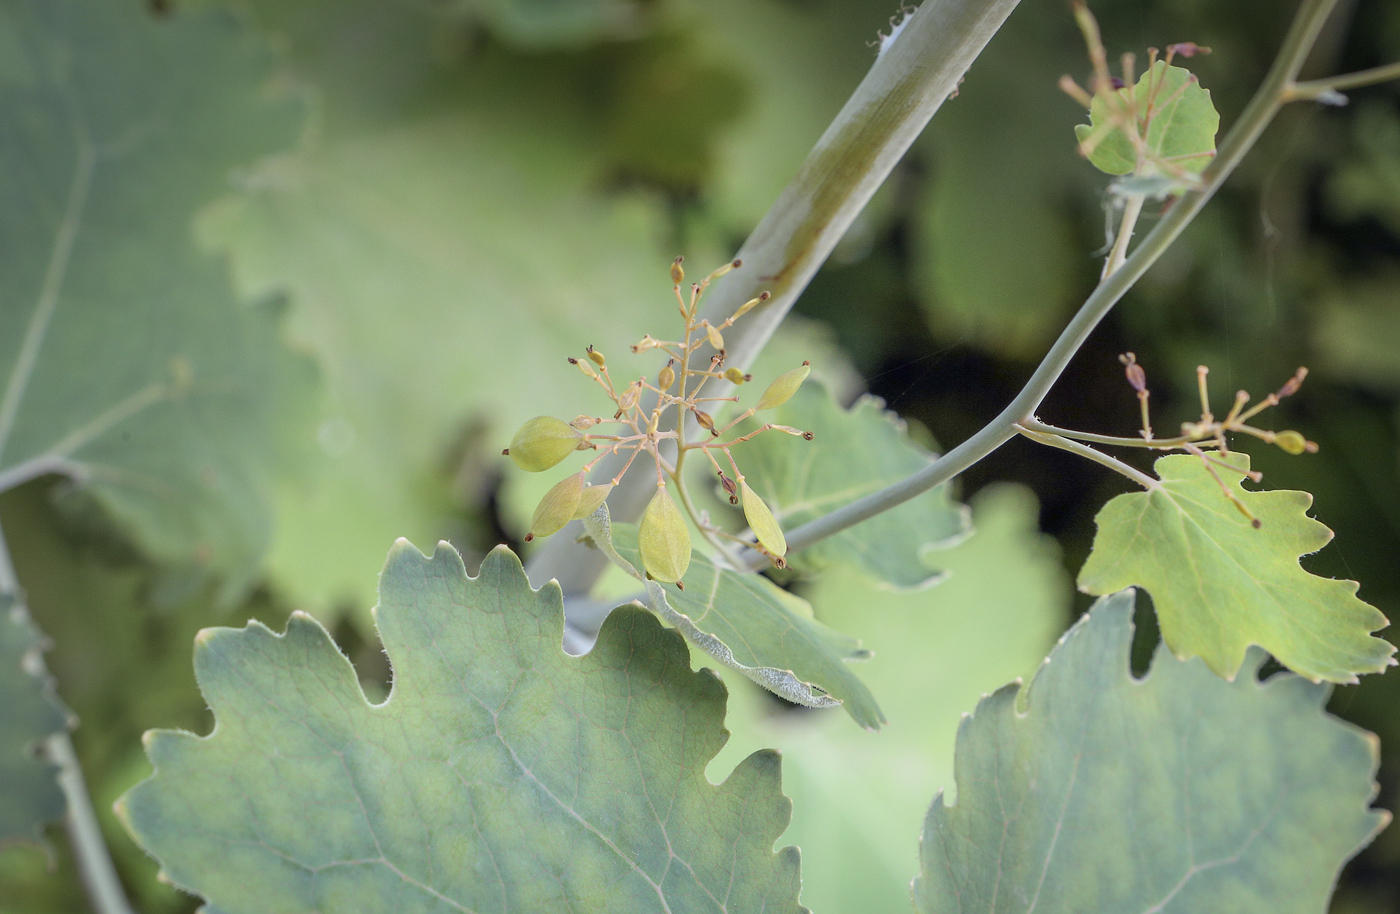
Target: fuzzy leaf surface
<point>1173,793</point>
<point>1220,585</point>
<point>500,774</point>
<point>1181,133</point>
<point>31,796</point>
<point>855,452</point>
<point>126,362</point>
<point>751,625</point>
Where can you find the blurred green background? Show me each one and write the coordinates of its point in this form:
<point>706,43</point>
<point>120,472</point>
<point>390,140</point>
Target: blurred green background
<point>482,187</point>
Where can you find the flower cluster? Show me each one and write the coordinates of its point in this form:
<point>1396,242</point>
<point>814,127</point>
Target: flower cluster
<point>648,415</point>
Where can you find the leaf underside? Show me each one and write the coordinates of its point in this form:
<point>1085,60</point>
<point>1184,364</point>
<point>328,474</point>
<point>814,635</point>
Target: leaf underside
<point>1178,792</point>
<point>856,452</point>
<point>500,774</point>
<point>1219,585</point>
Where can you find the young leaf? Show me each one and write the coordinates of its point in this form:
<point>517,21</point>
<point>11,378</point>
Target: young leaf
<point>500,774</point>
<point>125,361</point>
<point>1177,792</point>
<point>855,452</point>
<point>1181,133</point>
<point>755,627</point>
<point>1220,585</point>
<point>30,796</point>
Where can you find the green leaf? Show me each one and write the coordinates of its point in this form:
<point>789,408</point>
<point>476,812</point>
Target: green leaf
<point>1220,585</point>
<point>855,452</point>
<point>1172,793</point>
<point>31,796</point>
<point>499,774</point>
<point>445,249</point>
<point>858,798</point>
<point>125,361</point>
<point>751,625</point>
<point>1180,135</point>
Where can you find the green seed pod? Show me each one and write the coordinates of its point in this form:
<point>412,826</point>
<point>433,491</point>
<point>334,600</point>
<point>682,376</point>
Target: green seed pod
<point>664,539</point>
<point>542,442</point>
<point>666,377</point>
<point>783,387</point>
<point>1292,442</point>
<point>590,499</point>
<point>677,272</point>
<point>735,376</point>
<point>596,357</point>
<point>716,341</point>
<point>557,507</point>
<point>761,520</point>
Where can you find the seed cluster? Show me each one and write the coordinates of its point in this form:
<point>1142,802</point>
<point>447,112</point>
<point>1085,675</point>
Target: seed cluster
<point>652,413</point>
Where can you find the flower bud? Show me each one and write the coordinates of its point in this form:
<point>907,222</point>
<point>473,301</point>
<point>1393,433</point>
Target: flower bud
<point>667,376</point>
<point>713,334</point>
<point>730,488</point>
<point>783,387</point>
<point>707,422</point>
<point>587,372</point>
<point>761,521</point>
<point>557,507</point>
<point>583,422</point>
<point>542,442</point>
<point>735,376</point>
<point>596,357</point>
<point>590,499</point>
<point>664,539</point>
<point>752,303</point>
<point>647,342</point>
<point>677,274</point>
<point>630,395</point>
<point>1293,443</point>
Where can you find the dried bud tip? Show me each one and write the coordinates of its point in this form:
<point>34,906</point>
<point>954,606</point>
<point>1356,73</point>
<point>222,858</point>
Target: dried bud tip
<point>736,264</point>
<point>765,295</point>
<point>529,537</point>
<point>505,452</point>
<point>1187,49</point>
<point>1256,523</point>
<point>809,435</point>
<point>806,364</point>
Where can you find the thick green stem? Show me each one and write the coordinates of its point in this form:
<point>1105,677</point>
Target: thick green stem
<point>104,889</point>
<point>887,111</point>
<point>1272,94</point>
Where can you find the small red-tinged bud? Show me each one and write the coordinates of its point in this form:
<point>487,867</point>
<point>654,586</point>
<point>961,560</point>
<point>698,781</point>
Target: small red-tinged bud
<point>677,273</point>
<point>542,442</point>
<point>783,387</point>
<point>735,376</point>
<point>1187,49</point>
<point>557,507</point>
<point>667,376</point>
<point>1136,376</point>
<point>596,357</point>
<point>730,488</point>
<point>1291,386</point>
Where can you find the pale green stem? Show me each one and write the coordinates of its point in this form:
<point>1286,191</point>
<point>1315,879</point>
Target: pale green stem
<point>99,876</point>
<point>887,111</point>
<point>1314,89</point>
<point>1083,450</point>
<point>1132,208</point>
<point>1251,123</point>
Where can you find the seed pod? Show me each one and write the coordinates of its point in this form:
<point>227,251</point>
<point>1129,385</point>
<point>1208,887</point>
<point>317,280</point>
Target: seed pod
<point>677,274</point>
<point>583,422</point>
<point>707,422</point>
<point>783,387</point>
<point>648,342</point>
<point>596,357</point>
<point>761,520</point>
<point>730,488</point>
<point>1292,442</point>
<point>714,337</point>
<point>667,376</point>
<point>588,372</point>
<point>664,539</point>
<point>542,442</point>
<point>750,304</point>
<point>590,499</point>
<point>557,507</point>
<point>735,376</point>
<point>629,397</point>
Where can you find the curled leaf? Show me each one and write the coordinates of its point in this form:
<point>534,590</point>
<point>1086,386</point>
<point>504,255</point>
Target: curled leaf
<point>542,442</point>
<point>664,539</point>
<point>783,387</point>
<point>557,507</point>
<point>764,525</point>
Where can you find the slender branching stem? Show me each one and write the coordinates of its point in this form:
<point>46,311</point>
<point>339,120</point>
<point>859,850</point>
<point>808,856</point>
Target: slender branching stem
<point>1083,450</point>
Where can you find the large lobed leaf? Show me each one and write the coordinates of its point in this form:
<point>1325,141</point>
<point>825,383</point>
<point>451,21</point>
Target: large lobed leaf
<point>751,625</point>
<point>1219,584</point>
<point>125,361</point>
<point>500,774</point>
<point>1180,120</point>
<point>30,795</point>
<point>1178,792</point>
<point>855,452</point>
